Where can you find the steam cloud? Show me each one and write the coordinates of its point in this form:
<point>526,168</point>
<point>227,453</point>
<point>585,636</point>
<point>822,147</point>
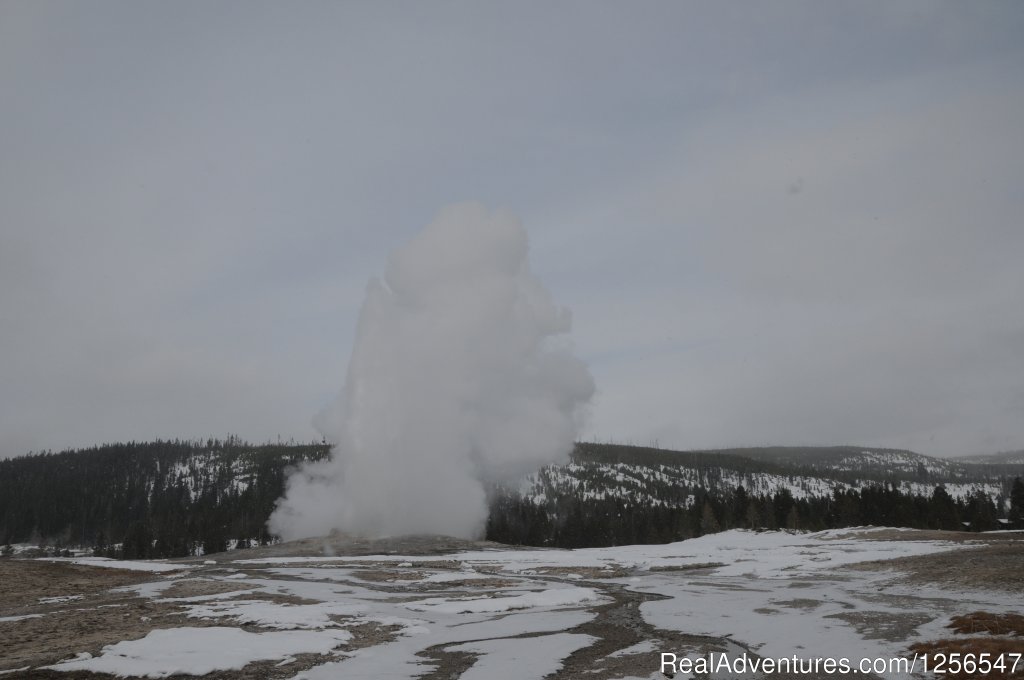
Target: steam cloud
<point>455,378</point>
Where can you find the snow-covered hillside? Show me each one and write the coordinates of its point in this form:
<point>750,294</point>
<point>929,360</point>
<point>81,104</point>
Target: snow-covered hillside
<point>661,484</point>
<point>816,473</point>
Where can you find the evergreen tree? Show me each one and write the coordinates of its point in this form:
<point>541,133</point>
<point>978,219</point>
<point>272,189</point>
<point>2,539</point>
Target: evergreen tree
<point>981,512</point>
<point>138,541</point>
<point>1017,500</point>
<point>752,515</point>
<point>740,503</point>
<point>793,518</point>
<point>708,522</point>
<point>942,510</point>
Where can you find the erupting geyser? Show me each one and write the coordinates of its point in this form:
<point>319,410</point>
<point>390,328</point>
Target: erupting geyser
<point>453,380</point>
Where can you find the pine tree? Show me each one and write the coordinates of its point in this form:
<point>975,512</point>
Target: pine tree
<point>740,501</point>
<point>752,515</point>
<point>942,510</point>
<point>792,519</point>
<point>1017,500</point>
<point>708,523</point>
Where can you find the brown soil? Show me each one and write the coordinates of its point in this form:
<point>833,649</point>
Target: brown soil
<point>23,583</point>
<point>992,565</point>
<point>992,624</point>
<point>100,617</point>
<point>888,534</point>
<point>1004,650</point>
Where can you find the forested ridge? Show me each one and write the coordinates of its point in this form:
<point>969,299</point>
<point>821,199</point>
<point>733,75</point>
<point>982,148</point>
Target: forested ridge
<point>164,498</point>
<point>177,498</point>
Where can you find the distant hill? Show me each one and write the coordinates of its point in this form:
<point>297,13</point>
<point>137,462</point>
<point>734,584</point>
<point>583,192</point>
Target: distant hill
<point>831,466</point>
<point>860,460</point>
<point>170,498</point>
<point>1002,458</point>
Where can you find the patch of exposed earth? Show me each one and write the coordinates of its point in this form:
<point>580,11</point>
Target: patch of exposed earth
<point>988,565</point>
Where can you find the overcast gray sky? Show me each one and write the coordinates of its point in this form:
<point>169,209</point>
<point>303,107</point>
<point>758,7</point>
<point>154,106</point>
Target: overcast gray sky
<point>774,223</point>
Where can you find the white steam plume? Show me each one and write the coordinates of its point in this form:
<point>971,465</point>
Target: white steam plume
<point>453,380</point>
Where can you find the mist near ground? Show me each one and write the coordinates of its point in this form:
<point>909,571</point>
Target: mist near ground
<point>456,378</point>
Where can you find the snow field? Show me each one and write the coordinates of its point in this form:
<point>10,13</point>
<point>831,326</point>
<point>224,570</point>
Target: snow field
<point>197,651</point>
<point>774,593</point>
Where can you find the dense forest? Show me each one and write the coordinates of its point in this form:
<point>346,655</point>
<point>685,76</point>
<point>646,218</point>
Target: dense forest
<point>178,498</point>
<point>159,499</point>
<point>575,522</point>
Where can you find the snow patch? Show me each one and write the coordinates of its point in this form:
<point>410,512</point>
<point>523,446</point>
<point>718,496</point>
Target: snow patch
<point>532,658</point>
<point>8,619</point>
<point>198,651</point>
<point>134,565</point>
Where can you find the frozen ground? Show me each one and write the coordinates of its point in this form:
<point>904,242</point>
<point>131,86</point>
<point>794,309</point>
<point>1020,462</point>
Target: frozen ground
<point>437,608</point>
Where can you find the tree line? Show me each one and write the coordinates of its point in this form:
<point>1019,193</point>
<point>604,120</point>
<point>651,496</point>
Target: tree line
<point>577,521</point>
<point>148,499</point>
<point>177,498</point>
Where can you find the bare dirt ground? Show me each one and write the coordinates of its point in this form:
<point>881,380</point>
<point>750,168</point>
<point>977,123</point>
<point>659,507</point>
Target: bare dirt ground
<point>995,562</point>
<point>88,612</point>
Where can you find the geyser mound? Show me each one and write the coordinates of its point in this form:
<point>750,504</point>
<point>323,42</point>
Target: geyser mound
<point>454,380</point>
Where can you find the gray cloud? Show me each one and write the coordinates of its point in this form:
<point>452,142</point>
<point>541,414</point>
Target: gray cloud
<point>877,306</point>
<point>192,197</point>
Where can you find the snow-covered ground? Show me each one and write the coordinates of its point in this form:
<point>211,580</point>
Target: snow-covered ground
<point>133,565</point>
<point>528,613</point>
